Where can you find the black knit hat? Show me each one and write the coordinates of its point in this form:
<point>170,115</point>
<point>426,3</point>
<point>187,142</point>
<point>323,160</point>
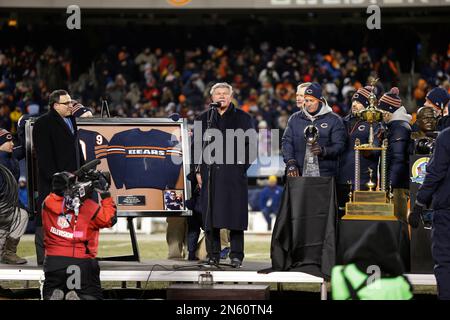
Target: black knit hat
<point>314,90</point>
<point>5,136</point>
<point>438,97</point>
<point>390,101</point>
<point>362,95</point>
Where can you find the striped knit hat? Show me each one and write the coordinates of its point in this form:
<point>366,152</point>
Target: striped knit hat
<point>5,136</point>
<point>390,101</point>
<point>362,95</point>
<point>78,109</point>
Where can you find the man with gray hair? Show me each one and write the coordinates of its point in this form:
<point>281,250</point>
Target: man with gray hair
<point>300,95</point>
<point>221,172</point>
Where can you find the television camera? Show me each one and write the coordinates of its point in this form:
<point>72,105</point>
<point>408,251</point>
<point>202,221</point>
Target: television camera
<point>78,186</point>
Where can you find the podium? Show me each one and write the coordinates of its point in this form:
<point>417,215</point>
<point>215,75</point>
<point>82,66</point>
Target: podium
<point>350,231</point>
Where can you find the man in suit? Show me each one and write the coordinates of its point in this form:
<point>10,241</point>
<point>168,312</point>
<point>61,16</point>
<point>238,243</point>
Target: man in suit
<point>57,146</point>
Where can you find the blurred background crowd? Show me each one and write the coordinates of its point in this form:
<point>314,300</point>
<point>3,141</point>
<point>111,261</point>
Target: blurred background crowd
<point>152,82</point>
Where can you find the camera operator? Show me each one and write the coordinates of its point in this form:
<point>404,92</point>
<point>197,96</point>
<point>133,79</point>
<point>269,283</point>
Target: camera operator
<point>71,235</point>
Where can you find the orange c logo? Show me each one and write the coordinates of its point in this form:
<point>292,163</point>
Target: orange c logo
<point>178,3</point>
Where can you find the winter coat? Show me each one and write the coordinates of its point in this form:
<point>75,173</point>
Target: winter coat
<point>436,186</point>
<point>70,236</point>
<point>57,149</point>
<point>228,190</point>
<point>332,138</point>
<point>398,135</point>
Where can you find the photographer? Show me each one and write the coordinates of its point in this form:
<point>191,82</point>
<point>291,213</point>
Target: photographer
<point>71,223</point>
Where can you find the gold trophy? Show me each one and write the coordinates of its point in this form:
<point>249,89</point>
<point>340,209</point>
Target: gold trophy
<point>373,204</point>
<point>371,185</point>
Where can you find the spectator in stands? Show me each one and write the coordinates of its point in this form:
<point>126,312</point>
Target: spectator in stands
<point>419,92</point>
<point>438,98</point>
<point>23,192</point>
<point>160,77</point>
<point>270,200</point>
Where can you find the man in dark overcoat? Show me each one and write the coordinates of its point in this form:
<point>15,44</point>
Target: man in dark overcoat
<point>227,193</point>
<point>58,149</point>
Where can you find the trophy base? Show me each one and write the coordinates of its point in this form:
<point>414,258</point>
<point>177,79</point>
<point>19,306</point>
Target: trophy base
<point>370,196</point>
<point>366,217</point>
<point>369,147</point>
<point>369,211</point>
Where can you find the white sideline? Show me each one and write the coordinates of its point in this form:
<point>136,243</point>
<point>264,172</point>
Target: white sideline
<point>193,276</point>
<point>421,279</point>
<point>180,276</point>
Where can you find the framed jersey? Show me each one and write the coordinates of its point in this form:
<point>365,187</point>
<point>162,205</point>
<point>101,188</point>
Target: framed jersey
<point>147,158</point>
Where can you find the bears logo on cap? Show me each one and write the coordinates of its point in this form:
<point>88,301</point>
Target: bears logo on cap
<point>5,136</point>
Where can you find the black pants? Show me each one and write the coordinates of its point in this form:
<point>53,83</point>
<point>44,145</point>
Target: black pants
<point>39,244</point>
<point>194,226</point>
<point>63,273</point>
<point>213,246</point>
<point>440,249</point>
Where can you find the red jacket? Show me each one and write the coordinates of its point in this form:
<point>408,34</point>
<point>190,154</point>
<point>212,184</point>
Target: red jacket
<point>68,236</point>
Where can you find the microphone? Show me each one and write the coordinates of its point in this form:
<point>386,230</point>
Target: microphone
<point>215,105</point>
<point>87,167</point>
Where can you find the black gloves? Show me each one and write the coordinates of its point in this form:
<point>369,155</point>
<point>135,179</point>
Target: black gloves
<point>292,169</point>
<point>317,149</point>
<point>414,216</point>
<point>103,183</point>
<point>105,194</point>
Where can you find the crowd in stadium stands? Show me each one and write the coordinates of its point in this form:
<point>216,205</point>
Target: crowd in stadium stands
<point>156,83</point>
